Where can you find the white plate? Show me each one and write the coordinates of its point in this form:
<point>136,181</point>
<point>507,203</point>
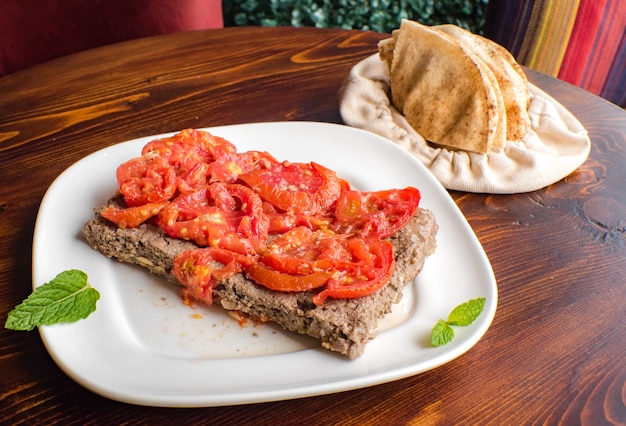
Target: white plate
<point>143,346</point>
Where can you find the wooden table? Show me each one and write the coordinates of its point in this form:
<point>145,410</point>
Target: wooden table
<point>556,351</point>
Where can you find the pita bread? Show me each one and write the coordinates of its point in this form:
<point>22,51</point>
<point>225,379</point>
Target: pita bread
<point>509,75</point>
<point>446,93</point>
<point>386,46</point>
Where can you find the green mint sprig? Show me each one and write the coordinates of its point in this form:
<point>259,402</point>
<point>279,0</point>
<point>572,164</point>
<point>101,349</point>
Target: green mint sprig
<point>67,298</point>
<point>461,316</point>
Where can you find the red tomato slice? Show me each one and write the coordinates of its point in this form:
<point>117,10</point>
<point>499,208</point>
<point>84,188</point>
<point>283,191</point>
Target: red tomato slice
<point>228,216</point>
<point>302,188</point>
<point>234,263</point>
<point>229,167</point>
<point>302,260</point>
<point>132,217</point>
<point>195,274</point>
<point>376,214</point>
<point>298,251</point>
<point>281,222</point>
<point>189,162</point>
<point>279,281</point>
<point>192,269</point>
<point>178,163</point>
<point>199,273</point>
<point>292,262</point>
<point>142,181</point>
<point>369,270</point>
<point>214,145</point>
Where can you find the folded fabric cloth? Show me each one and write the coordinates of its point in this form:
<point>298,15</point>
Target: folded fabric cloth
<point>555,145</point>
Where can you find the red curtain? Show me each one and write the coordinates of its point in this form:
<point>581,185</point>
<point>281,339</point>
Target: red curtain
<point>35,31</point>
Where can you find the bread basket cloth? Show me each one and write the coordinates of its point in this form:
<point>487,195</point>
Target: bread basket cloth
<point>555,145</point>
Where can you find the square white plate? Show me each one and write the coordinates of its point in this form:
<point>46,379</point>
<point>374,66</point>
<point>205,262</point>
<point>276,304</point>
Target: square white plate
<point>142,345</point>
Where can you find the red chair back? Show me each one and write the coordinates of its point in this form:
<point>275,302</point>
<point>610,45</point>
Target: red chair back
<point>35,31</point>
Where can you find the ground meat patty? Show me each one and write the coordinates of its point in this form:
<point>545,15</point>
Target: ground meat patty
<point>342,325</point>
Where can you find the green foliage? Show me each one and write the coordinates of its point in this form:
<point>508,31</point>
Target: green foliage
<point>376,15</point>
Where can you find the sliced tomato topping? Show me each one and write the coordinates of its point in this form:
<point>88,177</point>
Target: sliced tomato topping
<point>369,269</point>
<point>132,217</point>
<point>306,188</point>
<point>279,281</point>
<point>281,222</point>
<point>214,145</point>
<point>194,273</point>
<point>298,251</point>
<point>176,164</point>
<point>198,270</point>
<point>227,216</point>
<point>190,163</point>
<point>234,263</point>
<point>293,262</point>
<point>229,167</point>
<point>376,214</point>
<point>302,260</point>
<point>144,180</point>
<point>193,269</point>
<point>325,236</point>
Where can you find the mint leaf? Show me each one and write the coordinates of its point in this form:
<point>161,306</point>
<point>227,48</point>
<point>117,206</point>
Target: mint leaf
<point>442,333</point>
<point>467,312</point>
<point>461,316</point>
<point>67,298</point>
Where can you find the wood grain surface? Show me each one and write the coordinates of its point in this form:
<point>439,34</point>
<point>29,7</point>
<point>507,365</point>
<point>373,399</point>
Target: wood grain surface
<point>556,351</point>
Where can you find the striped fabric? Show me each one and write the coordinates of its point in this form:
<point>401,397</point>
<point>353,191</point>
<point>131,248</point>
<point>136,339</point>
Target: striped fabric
<point>582,42</point>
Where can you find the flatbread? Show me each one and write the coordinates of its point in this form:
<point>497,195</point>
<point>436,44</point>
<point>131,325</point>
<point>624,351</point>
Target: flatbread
<point>447,94</point>
<point>386,46</point>
<point>510,76</point>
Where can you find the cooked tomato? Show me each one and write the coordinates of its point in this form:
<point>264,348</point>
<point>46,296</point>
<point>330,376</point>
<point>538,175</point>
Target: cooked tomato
<point>145,180</point>
<point>376,214</point>
<point>132,217</point>
<point>193,269</point>
<point>298,251</point>
<point>302,260</point>
<point>190,163</point>
<point>369,269</point>
<point>214,145</point>
<point>281,222</point>
<point>306,188</point>
<point>326,237</point>
<point>228,216</point>
<point>198,270</point>
<point>179,163</point>
<point>280,281</point>
<point>234,263</point>
<point>229,167</point>
<point>293,262</point>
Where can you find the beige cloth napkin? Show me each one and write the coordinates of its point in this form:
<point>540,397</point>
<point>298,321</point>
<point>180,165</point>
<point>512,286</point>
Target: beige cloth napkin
<point>555,145</point>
